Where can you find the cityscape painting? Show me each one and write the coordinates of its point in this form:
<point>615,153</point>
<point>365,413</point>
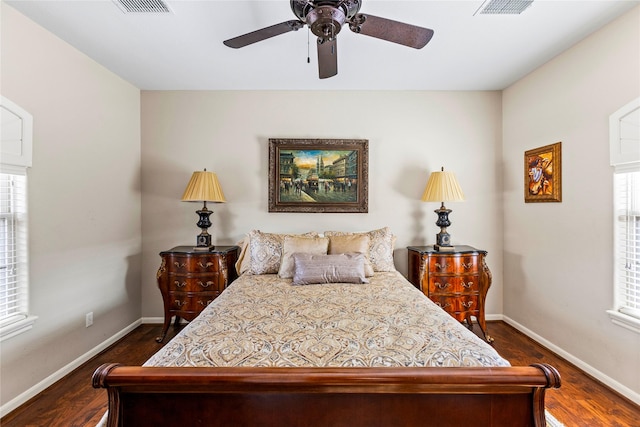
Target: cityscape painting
<point>318,175</point>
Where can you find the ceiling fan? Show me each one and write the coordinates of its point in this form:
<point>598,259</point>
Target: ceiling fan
<point>325,19</point>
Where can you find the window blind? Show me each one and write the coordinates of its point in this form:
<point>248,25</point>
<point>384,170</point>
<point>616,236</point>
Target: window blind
<point>627,245</point>
<point>13,256</point>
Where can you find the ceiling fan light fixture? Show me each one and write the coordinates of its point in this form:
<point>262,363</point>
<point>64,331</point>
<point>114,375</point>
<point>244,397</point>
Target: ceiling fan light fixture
<point>503,7</point>
<point>325,19</point>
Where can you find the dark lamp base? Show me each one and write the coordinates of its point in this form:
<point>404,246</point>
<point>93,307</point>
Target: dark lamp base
<point>203,241</point>
<point>443,238</point>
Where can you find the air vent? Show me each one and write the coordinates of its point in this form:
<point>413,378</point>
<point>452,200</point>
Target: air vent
<point>504,7</point>
<point>142,6</point>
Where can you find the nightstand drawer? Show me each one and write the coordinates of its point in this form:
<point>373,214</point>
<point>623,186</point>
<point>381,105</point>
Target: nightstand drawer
<point>188,303</point>
<point>454,284</point>
<point>456,304</point>
<point>465,264</point>
<point>208,283</point>
<point>203,264</point>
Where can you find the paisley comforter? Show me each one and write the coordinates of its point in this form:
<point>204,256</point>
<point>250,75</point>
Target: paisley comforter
<point>262,320</point>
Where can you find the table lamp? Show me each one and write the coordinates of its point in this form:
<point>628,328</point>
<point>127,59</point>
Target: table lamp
<point>443,187</point>
<point>203,187</point>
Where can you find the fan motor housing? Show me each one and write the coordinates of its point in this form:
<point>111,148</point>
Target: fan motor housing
<point>325,21</point>
<point>301,8</point>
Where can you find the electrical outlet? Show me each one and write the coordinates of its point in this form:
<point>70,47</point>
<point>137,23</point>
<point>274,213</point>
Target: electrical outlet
<point>89,319</point>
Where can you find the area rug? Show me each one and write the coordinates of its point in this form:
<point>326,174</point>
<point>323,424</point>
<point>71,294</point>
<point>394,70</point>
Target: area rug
<point>551,420</point>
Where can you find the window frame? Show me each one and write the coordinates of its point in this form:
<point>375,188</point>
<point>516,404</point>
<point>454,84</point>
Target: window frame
<point>16,144</point>
<point>622,314</point>
<point>624,128</point>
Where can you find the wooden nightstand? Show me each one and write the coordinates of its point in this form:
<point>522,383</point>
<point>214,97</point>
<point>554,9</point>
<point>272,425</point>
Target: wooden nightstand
<point>457,281</point>
<point>189,280</point>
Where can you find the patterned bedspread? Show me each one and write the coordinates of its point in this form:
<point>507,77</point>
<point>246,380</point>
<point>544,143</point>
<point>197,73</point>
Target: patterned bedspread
<point>263,320</point>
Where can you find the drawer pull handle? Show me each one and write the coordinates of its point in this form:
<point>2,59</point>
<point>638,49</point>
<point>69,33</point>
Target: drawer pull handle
<point>207,265</point>
<point>467,265</point>
<point>443,306</point>
<point>441,266</point>
<point>205,284</point>
<point>442,285</point>
<point>180,265</point>
<point>180,284</point>
<point>467,285</point>
<point>180,303</point>
<point>467,304</point>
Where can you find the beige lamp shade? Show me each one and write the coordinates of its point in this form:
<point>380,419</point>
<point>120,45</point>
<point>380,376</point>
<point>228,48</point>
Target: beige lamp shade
<point>442,187</point>
<point>203,187</point>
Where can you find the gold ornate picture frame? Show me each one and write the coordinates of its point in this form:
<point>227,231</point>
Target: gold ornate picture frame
<point>318,175</point>
<point>543,174</point>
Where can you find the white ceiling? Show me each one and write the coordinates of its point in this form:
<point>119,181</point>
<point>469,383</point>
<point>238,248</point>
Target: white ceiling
<point>183,50</point>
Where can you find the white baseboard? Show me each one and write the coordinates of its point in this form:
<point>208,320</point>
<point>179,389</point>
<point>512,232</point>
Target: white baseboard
<point>65,370</point>
<point>152,320</point>
<point>157,321</point>
<point>608,381</point>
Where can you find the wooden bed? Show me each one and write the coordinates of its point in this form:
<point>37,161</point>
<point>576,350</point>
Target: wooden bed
<point>349,350</point>
<point>350,397</point>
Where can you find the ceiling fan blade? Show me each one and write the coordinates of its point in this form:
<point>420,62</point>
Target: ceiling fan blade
<point>263,34</point>
<point>393,31</point>
<point>327,58</point>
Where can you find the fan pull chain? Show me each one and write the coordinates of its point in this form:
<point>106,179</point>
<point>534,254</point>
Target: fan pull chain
<point>308,48</point>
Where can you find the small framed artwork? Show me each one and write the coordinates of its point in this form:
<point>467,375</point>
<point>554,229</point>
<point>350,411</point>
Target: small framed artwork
<point>543,174</point>
<point>318,175</point>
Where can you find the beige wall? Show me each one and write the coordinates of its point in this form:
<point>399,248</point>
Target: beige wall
<point>558,256</point>
<point>84,202</point>
<point>410,134</point>
<point>87,253</point>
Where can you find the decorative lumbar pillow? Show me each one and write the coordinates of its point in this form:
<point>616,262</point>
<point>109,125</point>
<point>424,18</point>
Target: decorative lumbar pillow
<point>307,245</point>
<point>339,268</point>
<point>380,247</point>
<point>352,243</point>
<point>265,251</point>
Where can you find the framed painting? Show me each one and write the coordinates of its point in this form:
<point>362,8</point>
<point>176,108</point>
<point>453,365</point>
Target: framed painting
<point>318,175</point>
<point>543,174</point>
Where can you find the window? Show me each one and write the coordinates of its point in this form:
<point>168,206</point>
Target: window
<point>627,242</point>
<point>625,157</point>
<point>13,257</point>
<point>15,157</point>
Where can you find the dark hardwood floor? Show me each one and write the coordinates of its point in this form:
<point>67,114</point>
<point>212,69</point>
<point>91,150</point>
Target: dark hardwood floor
<point>581,401</point>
